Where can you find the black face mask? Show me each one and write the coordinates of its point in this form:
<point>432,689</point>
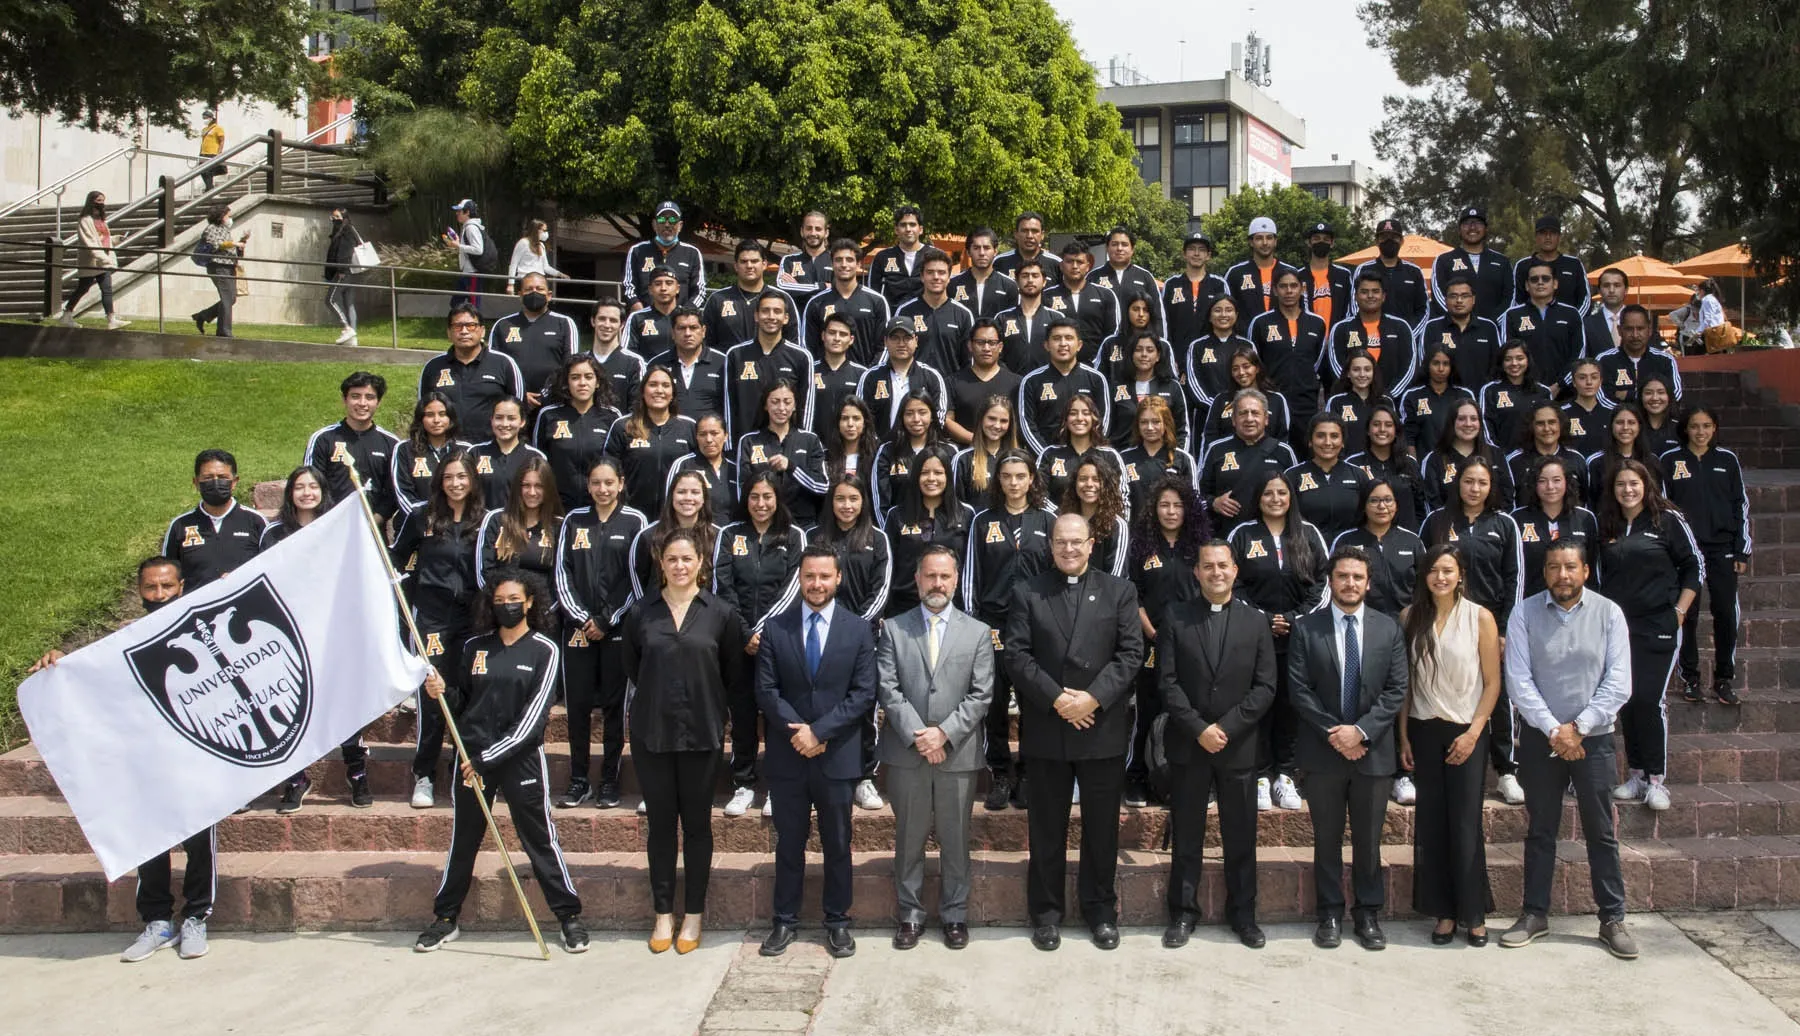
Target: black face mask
<point>215,491</point>
<point>509,614</point>
<point>535,301</point>
<point>150,606</point>
<point>1389,248</point>
<point>1321,249</point>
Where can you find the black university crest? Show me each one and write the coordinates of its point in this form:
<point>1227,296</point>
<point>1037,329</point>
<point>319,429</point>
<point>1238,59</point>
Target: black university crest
<point>232,676</point>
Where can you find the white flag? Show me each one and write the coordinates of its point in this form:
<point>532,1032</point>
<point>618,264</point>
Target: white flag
<point>168,725</point>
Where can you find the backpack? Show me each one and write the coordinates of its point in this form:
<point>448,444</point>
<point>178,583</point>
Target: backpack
<point>489,259</point>
<point>203,253</point>
<point>1156,757</point>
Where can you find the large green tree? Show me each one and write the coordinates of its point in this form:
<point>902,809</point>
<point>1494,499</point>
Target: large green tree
<point>751,113</point>
<point>105,63</point>
<point>1293,209</point>
<point>1533,106</point>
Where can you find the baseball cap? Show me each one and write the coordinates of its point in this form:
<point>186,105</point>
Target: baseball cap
<point>1390,226</point>
<point>1548,224</point>
<point>1262,225</point>
<point>1321,228</point>
<point>902,326</point>
<point>661,271</point>
<point>670,207</point>
<point>1198,239</point>
<point>463,206</point>
<point>1473,212</point>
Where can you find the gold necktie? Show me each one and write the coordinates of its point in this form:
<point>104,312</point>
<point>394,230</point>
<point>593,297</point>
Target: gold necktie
<point>931,642</point>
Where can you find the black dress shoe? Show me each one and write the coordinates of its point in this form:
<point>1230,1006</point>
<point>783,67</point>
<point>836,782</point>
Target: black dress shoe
<point>999,793</point>
<point>1477,941</point>
<point>839,943</point>
<point>1251,935</point>
<point>1046,937</point>
<point>1176,935</point>
<point>956,935</point>
<point>1330,933</point>
<point>1018,794</point>
<point>1106,935</point>
<point>1443,938</point>
<point>1368,932</point>
<point>907,935</point>
<point>780,938</point>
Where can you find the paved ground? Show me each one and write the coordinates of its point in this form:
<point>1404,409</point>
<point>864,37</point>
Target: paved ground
<point>491,983</point>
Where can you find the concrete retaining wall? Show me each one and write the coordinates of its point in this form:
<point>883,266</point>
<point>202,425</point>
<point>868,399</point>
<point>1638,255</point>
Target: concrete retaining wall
<point>55,341</point>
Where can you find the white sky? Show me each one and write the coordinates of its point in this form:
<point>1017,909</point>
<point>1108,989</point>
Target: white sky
<point>1323,68</point>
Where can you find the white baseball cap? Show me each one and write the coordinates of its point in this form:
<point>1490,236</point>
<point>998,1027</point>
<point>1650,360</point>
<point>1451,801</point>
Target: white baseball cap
<point>1262,225</point>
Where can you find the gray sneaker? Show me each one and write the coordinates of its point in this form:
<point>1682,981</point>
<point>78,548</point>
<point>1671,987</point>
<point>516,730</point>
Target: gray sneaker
<point>193,939</point>
<point>1528,929</point>
<point>1617,939</point>
<point>157,934</point>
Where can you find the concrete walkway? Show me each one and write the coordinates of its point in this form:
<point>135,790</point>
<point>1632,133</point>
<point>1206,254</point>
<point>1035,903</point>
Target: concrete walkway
<point>492,983</point>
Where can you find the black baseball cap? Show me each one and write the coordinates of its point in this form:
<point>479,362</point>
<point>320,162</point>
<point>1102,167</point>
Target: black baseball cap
<point>1321,228</point>
<point>661,271</point>
<point>902,326</point>
<point>1198,238</point>
<point>1473,212</point>
<point>669,207</point>
<point>1548,224</point>
<point>1390,226</point>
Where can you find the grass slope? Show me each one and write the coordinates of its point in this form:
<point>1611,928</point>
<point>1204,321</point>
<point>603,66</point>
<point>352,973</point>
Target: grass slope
<point>415,332</point>
<point>97,455</point>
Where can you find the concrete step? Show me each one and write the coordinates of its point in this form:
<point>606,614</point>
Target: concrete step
<point>291,891</point>
<point>1715,759</point>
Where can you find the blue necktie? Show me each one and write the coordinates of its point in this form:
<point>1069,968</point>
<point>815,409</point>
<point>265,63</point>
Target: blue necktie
<point>813,647</point>
<point>1351,696</point>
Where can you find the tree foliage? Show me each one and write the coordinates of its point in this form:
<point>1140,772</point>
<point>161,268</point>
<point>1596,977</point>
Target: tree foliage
<point>1529,107</point>
<point>1159,224</point>
<point>1293,209</point>
<point>751,113</point>
<point>102,63</point>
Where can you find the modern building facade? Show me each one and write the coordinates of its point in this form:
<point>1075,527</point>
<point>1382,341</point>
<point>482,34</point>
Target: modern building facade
<point>1343,182</point>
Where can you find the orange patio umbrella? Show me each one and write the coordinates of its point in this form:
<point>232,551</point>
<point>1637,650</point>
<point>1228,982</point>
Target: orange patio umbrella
<point>1730,261</point>
<point>1646,271</point>
<point>1413,248</point>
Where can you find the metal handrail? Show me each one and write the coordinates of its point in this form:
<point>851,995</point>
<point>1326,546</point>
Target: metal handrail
<point>59,186</point>
<point>328,127</point>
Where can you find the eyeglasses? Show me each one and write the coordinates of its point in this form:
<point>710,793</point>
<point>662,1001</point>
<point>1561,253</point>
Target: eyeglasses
<point>1378,501</point>
<point>668,220</point>
<point>1539,279</point>
<point>465,325</point>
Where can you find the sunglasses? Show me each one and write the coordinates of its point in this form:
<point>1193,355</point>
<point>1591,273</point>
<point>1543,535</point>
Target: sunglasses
<point>668,220</point>
<point>1539,279</point>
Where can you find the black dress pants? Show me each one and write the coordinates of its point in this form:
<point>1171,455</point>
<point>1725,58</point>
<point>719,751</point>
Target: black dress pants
<point>678,792</point>
<point>1449,853</point>
<point>1191,784</point>
<point>1329,796</point>
<point>1049,785</point>
<point>522,779</point>
<point>594,678</point>
<point>1545,777</point>
<point>199,881</point>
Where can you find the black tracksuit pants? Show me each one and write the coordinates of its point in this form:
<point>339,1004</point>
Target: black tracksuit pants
<point>199,881</point>
<point>444,628</point>
<point>523,780</point>
<point>1722,598</point>
<point>594,678</point>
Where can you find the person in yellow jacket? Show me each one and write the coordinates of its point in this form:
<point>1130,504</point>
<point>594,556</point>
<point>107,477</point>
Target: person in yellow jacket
<point>212,143</point>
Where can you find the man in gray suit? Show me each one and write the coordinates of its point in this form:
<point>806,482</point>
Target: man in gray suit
<point>935,669</point>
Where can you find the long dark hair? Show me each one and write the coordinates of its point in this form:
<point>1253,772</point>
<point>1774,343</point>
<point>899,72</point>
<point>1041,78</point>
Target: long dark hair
<point>1455,504</point>
<point>912,507</point>
<point>1530,376</point>
<point>290,515</point>
<point>1425,357</point>
<point>1377,384</point>
<point>837,450</point>
<point>1034,496</point>
<point>603,393</point>
<point>667,522</point>
<point>1298,550</point>
<point>93,206</point>
<point>861,532</point>
<point>416,433</point>
<point>779,522</point>
<point>1263,382</point>
<point>537,616</point>
<point>513,534</point>
<point>1147,534</point>
<point>1571,485</point>
<point>934,430</point>
<point>1446,443</point>
<point>439,518</point>
<point>1097,434</point>
<point>1397,448</point>
<point>1421,615</point>
<point>1109,507</point>
<point>1612,516</point>
<point>638,424</point>
<point>703,547</point>
<point>762,406</point>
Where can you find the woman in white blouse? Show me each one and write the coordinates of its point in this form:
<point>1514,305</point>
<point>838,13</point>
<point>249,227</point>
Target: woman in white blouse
<point>530,256</point>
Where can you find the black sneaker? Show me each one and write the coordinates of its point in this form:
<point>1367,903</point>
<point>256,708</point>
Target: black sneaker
<point>1691,691</point>
<point>608,798</point>
<point>1018,794</point>
<point>360,795</point>
<point>1136,793</point>
<point>1723,691</point>
<point>998,793</point>
<point>579,791</point>
<point>574,935</point>
<point>294,795</point>
<point>442,930</point>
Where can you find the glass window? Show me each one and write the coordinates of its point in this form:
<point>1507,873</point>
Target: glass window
<point>1149,162</point>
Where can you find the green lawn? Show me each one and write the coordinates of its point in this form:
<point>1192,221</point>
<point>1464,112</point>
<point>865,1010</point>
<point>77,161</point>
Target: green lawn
<point>97,455</point>
<point>415,332</point>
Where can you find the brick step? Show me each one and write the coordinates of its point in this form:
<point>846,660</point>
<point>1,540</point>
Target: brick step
<point>1719,758</point>
<point>1757,627</point>
<point>393,891</point>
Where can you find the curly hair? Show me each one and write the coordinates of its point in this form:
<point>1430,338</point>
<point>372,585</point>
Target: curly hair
<point>1146,530</point>
<point>1110,505</point>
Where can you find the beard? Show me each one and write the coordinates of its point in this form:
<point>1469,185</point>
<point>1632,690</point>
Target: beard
<point>936,601</point>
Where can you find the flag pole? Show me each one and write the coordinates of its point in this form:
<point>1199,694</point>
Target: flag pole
<point>462,753</point>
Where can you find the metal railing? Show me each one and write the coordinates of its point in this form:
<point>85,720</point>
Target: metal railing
<point>52,265</point>
<point>62,185</point>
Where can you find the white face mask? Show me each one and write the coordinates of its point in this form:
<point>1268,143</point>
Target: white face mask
<point>543,235</point>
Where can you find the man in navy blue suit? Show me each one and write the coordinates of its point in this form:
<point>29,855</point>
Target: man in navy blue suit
<point>815,685</point>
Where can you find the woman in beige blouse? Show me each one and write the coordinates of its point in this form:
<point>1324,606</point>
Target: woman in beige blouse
<point>1453,647</point>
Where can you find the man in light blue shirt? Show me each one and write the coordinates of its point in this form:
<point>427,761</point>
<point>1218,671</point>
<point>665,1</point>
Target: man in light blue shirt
<point>1568,672</point>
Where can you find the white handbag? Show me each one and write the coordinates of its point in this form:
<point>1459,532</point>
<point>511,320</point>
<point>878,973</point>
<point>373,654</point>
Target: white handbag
<point>363,257</point>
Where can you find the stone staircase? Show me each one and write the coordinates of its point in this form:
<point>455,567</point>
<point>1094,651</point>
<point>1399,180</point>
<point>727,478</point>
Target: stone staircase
<point>1731,839</point>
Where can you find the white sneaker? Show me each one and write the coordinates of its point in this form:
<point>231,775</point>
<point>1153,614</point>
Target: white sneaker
<point>1075,795</point>
<point>114,323</point>
<point>1263,802</point>
<point>193,939</point>
<point>423,796</point>
<point>741,801</point>
<point>1511,792</point>
<point>1633,788</point>
<point>349,335</point>
<point>1286,795</point>
<point>156,935</point>
<point>643,807</point>
<point>1404,792</point>
<point>866,795</point>
<point>67,319</point>
<point>1656,795</point>
<point>768,805</point>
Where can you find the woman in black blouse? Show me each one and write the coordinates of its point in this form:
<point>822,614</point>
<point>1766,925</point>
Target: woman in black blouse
<point>1166,536</point>
<point>683,648</point>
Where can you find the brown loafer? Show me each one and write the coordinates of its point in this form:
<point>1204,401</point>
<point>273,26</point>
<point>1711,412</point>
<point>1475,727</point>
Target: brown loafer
<point>907,935</point>
<point>956,935</point>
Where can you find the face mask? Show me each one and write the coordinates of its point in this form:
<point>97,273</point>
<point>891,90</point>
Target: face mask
<point>337,221</point>
<point>543,235</point>
<point>509,614</point>
<point>666,241</point>
<point>1389,249</point>
<point>229,221</point>
<point>1321,249</point>
<point>215,491</point>
<point>536,301</point>
<point>150,606</point>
